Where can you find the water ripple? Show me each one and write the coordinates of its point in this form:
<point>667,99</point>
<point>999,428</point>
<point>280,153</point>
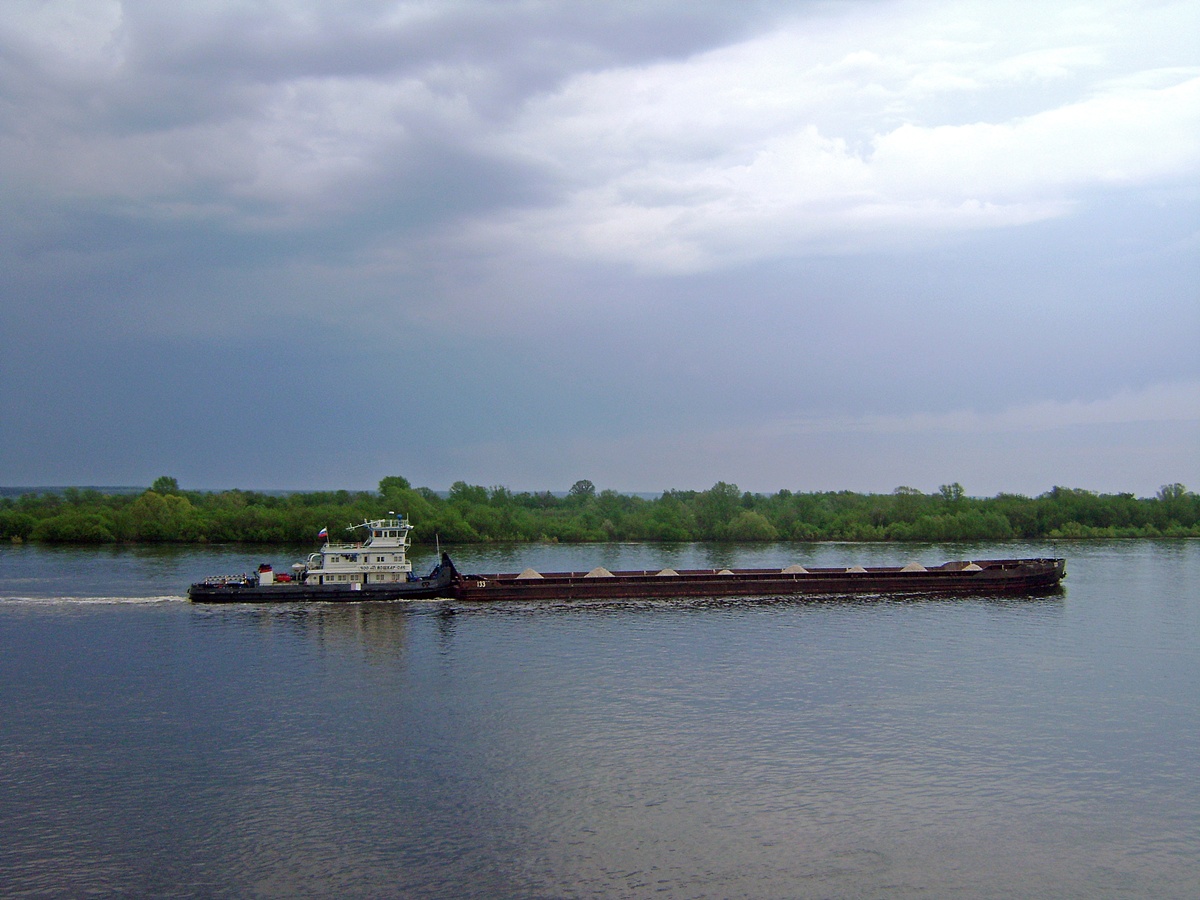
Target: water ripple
<point>866,748</point>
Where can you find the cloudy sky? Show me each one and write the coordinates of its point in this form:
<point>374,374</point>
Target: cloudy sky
<point>813,245</point>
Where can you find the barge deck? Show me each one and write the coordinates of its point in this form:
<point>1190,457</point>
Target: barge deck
<point>993,576</point>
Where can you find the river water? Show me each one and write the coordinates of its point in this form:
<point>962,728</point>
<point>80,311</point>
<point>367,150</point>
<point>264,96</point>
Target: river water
<point>853,748</point>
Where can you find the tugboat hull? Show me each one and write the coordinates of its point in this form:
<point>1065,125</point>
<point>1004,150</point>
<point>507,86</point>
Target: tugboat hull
<point>438,583</point>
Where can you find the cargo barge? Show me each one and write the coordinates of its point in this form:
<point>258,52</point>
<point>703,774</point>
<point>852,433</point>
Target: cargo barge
<point>377,568</point>
<point>978,577</point>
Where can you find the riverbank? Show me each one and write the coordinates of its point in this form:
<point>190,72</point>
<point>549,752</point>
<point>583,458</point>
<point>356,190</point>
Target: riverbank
<point>474,514</point>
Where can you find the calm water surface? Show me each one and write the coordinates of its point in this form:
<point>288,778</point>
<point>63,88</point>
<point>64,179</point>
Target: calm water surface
<point>853,748</point>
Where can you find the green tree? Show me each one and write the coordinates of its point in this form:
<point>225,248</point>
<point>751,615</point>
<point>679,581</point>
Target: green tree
<point>1171,492</point>
<point>16,525</point>
<point>158,517</point>
<point>670,519</point>
<point>399,497</point>
<point>75,527</point>
<point>465,494</point>
<point>165,485</point>
<point>1177,507</point>
<point>582,490</point>
<point>952,493</point>
<point>716,507</point>
<point>750,525</point>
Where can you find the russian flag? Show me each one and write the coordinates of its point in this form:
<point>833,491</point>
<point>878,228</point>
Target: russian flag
<point>323,533</point>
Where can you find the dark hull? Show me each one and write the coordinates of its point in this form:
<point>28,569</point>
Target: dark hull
<point>438,584</point>
<point>994,577</point>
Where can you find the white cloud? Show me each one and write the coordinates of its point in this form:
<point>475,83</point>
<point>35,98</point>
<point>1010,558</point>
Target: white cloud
<point>1130,136</point>
<point>856,132</point>
<point>80,34</point>
<point>859,123</point>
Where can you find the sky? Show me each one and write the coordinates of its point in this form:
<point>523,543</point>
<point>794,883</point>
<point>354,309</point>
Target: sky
<point>304,244</point>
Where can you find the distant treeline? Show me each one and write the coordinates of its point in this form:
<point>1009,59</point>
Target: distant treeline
<point>471,513</point>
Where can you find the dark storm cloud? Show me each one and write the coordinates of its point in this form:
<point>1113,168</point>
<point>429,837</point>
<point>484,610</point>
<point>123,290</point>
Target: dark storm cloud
<point>181,88</point>
<point>514,241</point>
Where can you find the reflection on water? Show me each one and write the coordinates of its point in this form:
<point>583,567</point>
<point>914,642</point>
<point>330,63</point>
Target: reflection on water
<point>865,747</point>
<point>378,630</point>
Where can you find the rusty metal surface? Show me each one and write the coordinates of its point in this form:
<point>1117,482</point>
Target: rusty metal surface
<point>992,577</point>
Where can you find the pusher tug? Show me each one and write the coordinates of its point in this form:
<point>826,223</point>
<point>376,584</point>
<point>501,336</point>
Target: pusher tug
<point>375,568</point>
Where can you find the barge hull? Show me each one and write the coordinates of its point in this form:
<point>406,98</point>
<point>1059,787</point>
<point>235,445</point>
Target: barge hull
<point>992,577</point>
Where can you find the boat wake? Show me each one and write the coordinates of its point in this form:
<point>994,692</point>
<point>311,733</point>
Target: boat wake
<point>91,601</point>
